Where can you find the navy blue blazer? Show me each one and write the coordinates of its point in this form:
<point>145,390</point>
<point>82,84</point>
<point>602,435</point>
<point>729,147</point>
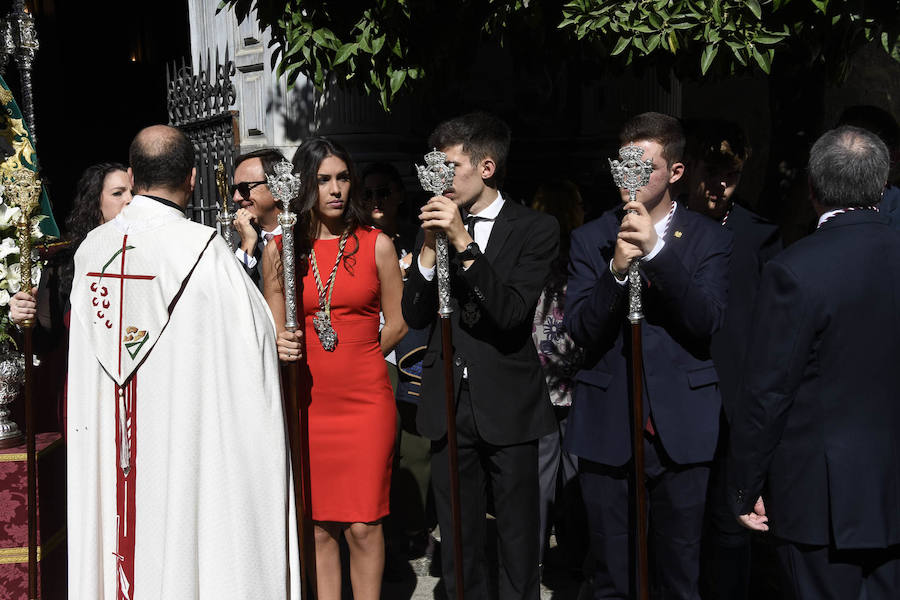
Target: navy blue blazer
<point>756,241</point>
<point>890,205</point>
<point>685,295</point>
<point>817,429</point>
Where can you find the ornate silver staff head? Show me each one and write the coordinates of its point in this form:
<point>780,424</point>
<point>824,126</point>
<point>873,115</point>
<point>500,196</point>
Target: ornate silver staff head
<point>285,186</point>
<point>435,177</point>
<point>631,172</point>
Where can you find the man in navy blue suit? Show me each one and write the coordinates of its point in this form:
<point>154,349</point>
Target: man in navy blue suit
<point>815,450</point>
<point>716,153</point>
<point>684,267</point>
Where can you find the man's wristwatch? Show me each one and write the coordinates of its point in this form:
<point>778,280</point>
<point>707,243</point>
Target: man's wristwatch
<point>471,252</point>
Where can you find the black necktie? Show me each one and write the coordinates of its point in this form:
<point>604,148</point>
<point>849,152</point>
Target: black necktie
<point>470,224</point>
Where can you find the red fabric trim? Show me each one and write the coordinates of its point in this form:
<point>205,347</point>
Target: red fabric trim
<point>121,298</point>
<point>125,492</point>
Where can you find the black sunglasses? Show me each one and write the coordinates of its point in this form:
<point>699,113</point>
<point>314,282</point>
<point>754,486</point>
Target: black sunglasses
<point>244,187</point>
<point>380,193</point>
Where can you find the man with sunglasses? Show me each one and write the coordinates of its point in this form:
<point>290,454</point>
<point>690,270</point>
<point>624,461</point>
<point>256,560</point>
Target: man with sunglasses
<point>256,220</point>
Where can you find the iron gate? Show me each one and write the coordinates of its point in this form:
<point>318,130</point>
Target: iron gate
<point>199,105</point>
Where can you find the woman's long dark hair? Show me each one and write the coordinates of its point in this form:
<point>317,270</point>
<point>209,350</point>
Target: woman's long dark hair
<point>307,159</point>
<point>85,214</point>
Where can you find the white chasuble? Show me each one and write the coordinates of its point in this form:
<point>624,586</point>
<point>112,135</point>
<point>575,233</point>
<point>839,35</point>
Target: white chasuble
<point>179,481</point>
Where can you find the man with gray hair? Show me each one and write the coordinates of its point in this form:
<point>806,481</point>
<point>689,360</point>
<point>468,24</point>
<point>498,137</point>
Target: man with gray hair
<point>815,450</point>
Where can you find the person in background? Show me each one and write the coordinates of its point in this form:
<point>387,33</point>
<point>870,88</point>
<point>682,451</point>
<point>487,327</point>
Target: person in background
<point>881,123</point>
<point>256,219</point>
<point>814,455</point>
<point>102,191</point>
<point>714,159</point>
<point>407,527</point>
<point>560,359</point>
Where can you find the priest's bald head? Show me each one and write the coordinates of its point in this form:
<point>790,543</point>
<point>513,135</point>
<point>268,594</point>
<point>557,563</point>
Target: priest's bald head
<point>162,164</point>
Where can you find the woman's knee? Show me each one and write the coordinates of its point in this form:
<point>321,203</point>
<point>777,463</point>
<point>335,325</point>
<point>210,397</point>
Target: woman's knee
<point>364,534</point>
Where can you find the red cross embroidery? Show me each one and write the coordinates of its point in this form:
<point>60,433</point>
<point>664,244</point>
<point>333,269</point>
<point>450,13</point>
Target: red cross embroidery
<point>121,276</point>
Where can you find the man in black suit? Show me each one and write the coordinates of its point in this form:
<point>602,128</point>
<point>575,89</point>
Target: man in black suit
<point>815,453</point>
<point>715,157</point>
<point>501,260</point>
<point>684,263</point>
<point>256,221</point>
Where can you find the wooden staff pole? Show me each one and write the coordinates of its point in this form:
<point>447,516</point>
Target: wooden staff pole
<point>435,177</point>
<point>285,186</point>
<point>23,189</point>
<point>640,492</point>
<point>632,173</point>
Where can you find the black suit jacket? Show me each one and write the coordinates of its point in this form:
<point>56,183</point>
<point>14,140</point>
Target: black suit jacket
<point>509,395</point>
<point>756,241</point>
<point>817,430</point>
<point>683,305</point>
<point>254,272</point>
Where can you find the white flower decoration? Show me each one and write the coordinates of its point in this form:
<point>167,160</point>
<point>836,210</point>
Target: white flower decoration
<point>4,297</point>
<point>8,246</point>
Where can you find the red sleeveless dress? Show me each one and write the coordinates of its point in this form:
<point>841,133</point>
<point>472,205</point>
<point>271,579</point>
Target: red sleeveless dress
<point>352,416</point>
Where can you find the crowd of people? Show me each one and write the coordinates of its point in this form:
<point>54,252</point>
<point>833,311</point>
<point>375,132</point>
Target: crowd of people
<point>768,385</point>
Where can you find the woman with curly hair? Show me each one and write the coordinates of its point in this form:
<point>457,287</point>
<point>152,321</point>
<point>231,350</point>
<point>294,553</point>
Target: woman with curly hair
<point>102,191</point>
<point>348,272</point>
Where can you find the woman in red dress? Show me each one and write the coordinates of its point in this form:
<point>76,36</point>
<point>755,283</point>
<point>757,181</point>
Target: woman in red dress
<point>349,273</point>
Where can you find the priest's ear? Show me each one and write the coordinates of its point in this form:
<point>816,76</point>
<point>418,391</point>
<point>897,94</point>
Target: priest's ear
<point>131,177</point>
<point>193,180</point>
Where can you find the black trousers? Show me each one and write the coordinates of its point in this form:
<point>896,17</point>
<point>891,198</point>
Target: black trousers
<point>727,550</point>
<point>511,472</point>
<point>824,573</point>
<point>676,497</point>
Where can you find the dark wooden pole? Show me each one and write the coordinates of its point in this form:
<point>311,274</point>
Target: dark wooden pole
<point>296,415</point>
<point>453,454</point>
<point>639,532</point>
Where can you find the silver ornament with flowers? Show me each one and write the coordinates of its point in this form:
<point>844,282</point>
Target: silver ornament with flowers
<point>436,177</point>
<point>632,173</point>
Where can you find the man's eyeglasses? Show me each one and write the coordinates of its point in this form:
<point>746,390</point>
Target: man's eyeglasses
<point>380,193</point>
<point>244,187</point>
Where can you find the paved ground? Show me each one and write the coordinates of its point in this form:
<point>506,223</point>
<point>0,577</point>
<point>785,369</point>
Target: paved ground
<point>421,581</point>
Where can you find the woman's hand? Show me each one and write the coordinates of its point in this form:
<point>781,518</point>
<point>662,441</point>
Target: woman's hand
<point>23,306</point>
<point>289,346</point>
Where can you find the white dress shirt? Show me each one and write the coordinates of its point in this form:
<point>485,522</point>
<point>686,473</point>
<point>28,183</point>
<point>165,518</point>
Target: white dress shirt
<point>264,237</point>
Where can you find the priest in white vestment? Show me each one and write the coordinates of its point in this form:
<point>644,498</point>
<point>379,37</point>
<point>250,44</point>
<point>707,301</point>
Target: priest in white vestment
<point>179,480</point>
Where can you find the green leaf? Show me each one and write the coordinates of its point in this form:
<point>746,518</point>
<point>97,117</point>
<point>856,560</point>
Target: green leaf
<point>397,50</point>
<point>767,39</point>
<point>706,58</point>
<point>763,59</point>
<point>717,11</point>
<point>673,42</point>
<point>652,44</point>
<point>397,79</point>
<point>344,52</point>
<point>378,43</point>
<point>638,43</point>
<point>620,46</point>
<point>738,54</point>
<point>822,5</point>
<point>753,5</point>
